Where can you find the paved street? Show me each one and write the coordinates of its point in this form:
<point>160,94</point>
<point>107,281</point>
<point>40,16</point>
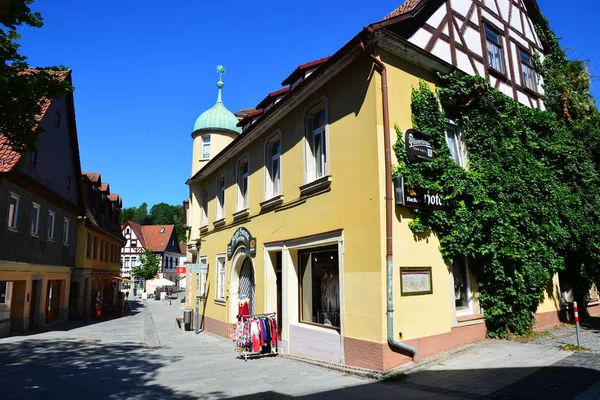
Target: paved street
<point>145,356</point>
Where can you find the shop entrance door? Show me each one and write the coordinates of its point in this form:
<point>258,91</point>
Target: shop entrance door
<point>246,288</point>
<point>53,301</point>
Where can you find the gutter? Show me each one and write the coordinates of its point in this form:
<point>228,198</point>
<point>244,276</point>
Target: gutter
<point>388,210</point>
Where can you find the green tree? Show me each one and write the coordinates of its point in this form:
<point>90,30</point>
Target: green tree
<point>21,88</point>
<point>127,214</point>
<point>162,214</point>
<point>148,267</point>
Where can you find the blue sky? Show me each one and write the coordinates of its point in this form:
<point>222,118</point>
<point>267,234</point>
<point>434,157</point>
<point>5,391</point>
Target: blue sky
<point>145,70</point>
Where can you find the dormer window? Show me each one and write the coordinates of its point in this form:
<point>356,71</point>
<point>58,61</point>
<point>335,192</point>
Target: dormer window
<point>162,230</point>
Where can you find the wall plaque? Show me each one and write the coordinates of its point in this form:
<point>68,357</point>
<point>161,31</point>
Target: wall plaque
<point>415,281</point>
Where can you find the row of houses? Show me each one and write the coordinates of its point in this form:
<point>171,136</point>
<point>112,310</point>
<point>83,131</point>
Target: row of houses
<point>61,239</point>
<point>293,209</point>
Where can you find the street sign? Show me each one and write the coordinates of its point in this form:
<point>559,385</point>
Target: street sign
<point>180,270</point>
<point>198,268</point>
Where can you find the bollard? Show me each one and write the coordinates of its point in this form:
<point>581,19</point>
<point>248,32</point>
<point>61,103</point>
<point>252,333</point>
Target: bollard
<point>576,322</point>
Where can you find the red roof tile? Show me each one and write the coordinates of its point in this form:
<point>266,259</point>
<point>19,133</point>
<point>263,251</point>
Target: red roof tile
<point>248,118</point>
<point>405,7</point>
<point>300,70</point>
<point>93,176</point>
<point>155,240</point>
<point>271,97</point>
<point>137,229</point>
<point>113,197</point>
<point>104,187</point>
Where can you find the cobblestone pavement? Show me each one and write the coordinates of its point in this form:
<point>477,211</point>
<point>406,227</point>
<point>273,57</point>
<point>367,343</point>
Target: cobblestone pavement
<point>145,356</point>
<point>564,334</point>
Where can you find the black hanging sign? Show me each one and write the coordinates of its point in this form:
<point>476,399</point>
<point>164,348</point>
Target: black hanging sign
<point>418,145</point>
<point>416,197</point>
<point>241,236</point>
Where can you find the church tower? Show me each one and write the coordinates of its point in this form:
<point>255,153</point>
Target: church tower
<point>214,129</point>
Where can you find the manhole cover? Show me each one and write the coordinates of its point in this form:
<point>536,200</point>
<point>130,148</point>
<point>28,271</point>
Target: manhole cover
<point>90,341</point>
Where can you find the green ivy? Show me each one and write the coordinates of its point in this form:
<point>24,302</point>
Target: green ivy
<point>526,205</point>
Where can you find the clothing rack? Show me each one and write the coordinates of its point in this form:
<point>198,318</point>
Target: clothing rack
<point>268,349</point>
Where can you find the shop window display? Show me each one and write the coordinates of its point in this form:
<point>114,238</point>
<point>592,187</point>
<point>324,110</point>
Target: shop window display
<point>320,294</point>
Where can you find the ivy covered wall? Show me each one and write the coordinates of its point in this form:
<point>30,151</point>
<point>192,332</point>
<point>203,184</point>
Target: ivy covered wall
<point>526,205</point>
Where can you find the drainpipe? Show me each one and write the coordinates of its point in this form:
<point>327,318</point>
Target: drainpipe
<point>388,209</point>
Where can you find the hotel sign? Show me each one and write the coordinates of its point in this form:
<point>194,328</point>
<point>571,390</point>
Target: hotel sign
<point>418,145</point>
<point>416,197</point>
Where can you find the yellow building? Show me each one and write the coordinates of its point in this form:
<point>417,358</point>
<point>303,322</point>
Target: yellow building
<point>95,279</point>
<point>296,213</point>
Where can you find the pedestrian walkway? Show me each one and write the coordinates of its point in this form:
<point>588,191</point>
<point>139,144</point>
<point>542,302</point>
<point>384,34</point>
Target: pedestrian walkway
<point>146,356</point>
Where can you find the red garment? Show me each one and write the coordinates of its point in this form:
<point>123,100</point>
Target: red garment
<point>243,309</point>
<point>273,332</point>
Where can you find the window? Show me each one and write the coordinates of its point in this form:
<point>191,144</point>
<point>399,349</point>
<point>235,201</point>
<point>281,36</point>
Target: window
<point>88,251</point>
<point>35,219</point>
<point>242,176</point>
<point>57,119</point>
<point>127,230</point>
<point>221,278</point>
<point>220,196</point>
<point>205,205</point>
<point>101,250</point>
<point>453,142</point>
<point>162,230</point>
<point>318,161</point>
<point>51,223</point>
<point>66,227</point>
<point>528,71</point>
<point>494,50</point>
<point>126,263</point>
<point>133,261</point>
<point>206,147</point>
<point>13,211</point>
<point>273,163</point>
<point>133,243</point>
<point>319,286</point>
<point>462,290</point>
<point>33,158</point>
<point>96,247</point>
<point>106,247</point>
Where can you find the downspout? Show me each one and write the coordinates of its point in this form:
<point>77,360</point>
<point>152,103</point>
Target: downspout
<point>388,209</point>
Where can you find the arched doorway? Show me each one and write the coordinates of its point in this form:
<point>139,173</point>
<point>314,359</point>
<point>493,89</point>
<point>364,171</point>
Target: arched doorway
<point>247,284</point>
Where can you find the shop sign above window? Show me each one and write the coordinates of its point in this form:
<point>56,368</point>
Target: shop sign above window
<point>417,197</point>
<point>418,145</point>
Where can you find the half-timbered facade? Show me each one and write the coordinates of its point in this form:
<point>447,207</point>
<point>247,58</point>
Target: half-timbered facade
<point>161,240</point>
<point>491,38</point>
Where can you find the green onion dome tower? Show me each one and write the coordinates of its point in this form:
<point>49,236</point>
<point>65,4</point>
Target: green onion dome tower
<point>214,129</point>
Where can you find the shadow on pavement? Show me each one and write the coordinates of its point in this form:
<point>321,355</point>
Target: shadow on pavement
<point>44,369</point>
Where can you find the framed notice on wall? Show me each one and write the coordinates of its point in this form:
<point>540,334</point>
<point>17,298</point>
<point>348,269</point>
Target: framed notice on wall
<point>415,281</point>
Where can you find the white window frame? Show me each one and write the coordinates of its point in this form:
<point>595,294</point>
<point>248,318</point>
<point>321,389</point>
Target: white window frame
<point>496,45</point>
<point>528,73</point>
<point>51,220</point>
<point>458,140</point>
<point>206,141</point>
<point>272,183</point>
<point>66,229</point>
<point>14,224</point>
<point>243,198</point>
<point>311,161</point>
<point>469,309</point>
<point>201,288</point>
<point>205,200</point>
<point>34,229</point>
<point>221,274</point>
<point>220,196</point>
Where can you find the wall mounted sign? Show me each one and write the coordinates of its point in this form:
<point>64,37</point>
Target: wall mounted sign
<point>415,281</point>
<point>180,270</point>
<point>198,268</point>
<point>416,197</point>
<point>241,236</point>
<point>418,145</point>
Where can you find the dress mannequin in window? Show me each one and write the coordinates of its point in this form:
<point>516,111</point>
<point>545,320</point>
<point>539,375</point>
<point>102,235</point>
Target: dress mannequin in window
<point>333,293</point>
<point>324,285</point>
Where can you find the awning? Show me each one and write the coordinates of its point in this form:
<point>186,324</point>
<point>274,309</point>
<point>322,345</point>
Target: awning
<point>119,278</point>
